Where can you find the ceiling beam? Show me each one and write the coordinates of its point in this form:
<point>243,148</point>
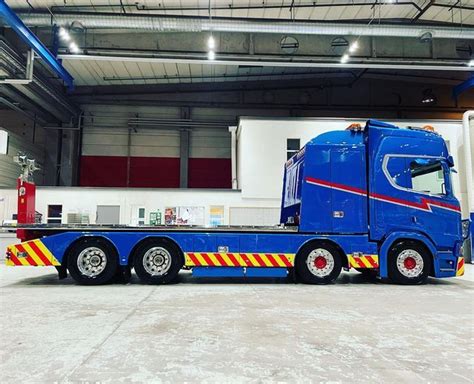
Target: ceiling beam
<point>370,63</point>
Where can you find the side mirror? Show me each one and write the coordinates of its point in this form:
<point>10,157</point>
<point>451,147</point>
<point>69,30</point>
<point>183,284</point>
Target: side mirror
<point>450,161</point>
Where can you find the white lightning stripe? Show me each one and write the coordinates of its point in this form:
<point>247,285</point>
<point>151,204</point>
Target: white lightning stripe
<point>396,203</point>
<point>337,188</point>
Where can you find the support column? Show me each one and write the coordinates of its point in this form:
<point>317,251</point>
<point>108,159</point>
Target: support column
<point>233,146</point>
<point>184,150</point>
<point>184,157</point>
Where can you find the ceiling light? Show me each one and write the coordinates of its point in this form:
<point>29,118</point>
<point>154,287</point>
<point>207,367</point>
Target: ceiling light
<point>344,58</point>
<point>354,46</point>
<point>471,63</point>
<point>74,48</point>
<point>211,43</point>
<point>63,34</point>
<point>211,55</point>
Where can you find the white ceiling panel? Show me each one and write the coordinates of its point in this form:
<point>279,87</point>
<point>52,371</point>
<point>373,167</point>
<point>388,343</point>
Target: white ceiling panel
<point>103,72</point>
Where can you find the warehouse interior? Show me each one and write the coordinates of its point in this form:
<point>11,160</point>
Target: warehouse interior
<point>167,112</point>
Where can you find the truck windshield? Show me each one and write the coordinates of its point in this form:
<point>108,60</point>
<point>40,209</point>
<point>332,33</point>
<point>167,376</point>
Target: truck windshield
<point>427,176</point>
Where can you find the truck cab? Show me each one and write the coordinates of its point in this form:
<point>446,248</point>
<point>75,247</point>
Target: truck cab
<point>390,184</point>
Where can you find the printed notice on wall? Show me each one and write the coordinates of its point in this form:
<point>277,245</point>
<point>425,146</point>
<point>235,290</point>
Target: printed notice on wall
<point>216,215</point>
<point>170,215</point>
<point>184,216</point>
<point>190,216</point>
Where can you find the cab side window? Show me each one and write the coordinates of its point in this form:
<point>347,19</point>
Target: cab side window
<point>427,176</point>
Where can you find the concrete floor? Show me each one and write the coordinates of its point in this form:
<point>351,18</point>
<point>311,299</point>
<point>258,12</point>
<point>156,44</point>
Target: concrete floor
<point>216,332</point>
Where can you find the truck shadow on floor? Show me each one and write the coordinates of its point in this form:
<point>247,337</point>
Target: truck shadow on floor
<point>188,279</point>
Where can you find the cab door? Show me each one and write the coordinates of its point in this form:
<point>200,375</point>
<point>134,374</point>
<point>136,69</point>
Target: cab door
<point>414,193</point>
<point>433,208</point>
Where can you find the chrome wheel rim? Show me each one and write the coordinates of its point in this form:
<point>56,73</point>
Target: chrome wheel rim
<point>92,261</point>
<point>157,261</point>
<point>320,262</point>
<point>410,263</point>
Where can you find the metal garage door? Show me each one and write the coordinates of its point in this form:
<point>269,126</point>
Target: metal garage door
<point>108,214</point>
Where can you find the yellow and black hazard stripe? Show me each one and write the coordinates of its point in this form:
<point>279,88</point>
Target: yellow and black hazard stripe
<point>30,253</point>
<point>363,261</point>
<point>460,266</point>
<point>228,259</point>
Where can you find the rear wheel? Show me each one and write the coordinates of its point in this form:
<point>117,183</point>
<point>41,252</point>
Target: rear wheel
<point>319,264</point>
<point>408,263</point>
<point>92,261</point>
<point>157,262</point>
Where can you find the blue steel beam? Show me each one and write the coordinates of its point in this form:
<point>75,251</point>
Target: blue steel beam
<point>465,85</point>
<point>30,39</point>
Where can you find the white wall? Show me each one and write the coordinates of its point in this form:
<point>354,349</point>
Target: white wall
<point>261,152</point>
<point>86,200</point>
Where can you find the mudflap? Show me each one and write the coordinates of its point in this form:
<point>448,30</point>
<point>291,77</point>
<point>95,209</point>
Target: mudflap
<point>123,275</point>
<point>62,271</point>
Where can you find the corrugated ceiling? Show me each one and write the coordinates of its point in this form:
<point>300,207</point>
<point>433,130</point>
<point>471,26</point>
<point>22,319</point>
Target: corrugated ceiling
<point>103,72</point>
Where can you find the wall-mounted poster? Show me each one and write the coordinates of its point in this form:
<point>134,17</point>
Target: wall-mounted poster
<point>170,216</point>
<point>190,216</point>
<point>216,215</point>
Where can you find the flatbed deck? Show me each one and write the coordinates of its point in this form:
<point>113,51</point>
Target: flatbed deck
<point>144,228</point>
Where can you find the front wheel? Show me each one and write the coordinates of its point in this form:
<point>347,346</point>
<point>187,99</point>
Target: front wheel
<point>92,261</point>
<point>408,263</point>
<point>157,262</point>
<point>319,264</point>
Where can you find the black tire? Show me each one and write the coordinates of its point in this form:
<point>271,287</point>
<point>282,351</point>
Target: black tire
<point>82,271</point>
<point>157,261</point>
<point>318,274</point>
<point>416,271</point>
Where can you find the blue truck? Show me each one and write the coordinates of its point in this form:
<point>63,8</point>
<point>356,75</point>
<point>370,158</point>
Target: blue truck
<point>377,198</point>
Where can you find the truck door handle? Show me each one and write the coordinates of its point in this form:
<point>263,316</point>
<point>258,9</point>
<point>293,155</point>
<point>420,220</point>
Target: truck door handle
<point>414,219</point>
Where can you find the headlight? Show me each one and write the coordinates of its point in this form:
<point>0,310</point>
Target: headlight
<point>466,225</point>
